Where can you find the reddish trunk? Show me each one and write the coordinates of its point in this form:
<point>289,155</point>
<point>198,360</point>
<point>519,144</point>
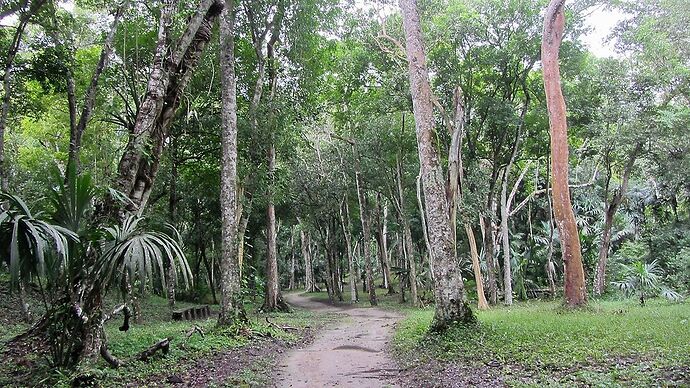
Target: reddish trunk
<point>554,24</point>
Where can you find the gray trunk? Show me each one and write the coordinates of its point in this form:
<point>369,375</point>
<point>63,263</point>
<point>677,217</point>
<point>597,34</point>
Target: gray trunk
<point>347,232</point>
<point>505,240</point>
<point>273,299</point>
<point>306,254</point>
<point>449,291</point>
<point>231,308</point>
<point>366,231</point>
<point>77,127</point>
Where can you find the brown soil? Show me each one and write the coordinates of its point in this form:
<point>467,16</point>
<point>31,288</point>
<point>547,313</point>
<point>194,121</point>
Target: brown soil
<point>348,353</point>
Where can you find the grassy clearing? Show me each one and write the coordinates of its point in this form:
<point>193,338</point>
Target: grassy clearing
<point>612,342</point>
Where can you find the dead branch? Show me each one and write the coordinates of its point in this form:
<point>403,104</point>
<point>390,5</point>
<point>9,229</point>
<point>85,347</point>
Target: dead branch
<point>195,329</point>
<point>162,345</point>
<point>286,328</point>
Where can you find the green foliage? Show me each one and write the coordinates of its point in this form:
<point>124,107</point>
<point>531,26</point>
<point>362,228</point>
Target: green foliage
<point>131,248</point>
<point>645,279</point>
<point>26,240</point>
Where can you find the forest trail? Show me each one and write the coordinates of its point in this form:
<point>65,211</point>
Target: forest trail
<point>348,353</point>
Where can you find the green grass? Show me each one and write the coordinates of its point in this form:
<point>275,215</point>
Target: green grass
<point>611,342</point>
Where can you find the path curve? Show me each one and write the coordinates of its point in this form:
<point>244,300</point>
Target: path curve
<point>348,353</point>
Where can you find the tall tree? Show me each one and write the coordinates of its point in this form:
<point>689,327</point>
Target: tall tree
<point>231,308</point>
<point>449,290</point>
<point>171,70</point>
<point>554,25</point>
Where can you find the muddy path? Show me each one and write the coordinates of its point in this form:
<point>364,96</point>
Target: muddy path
<point>351,352</point>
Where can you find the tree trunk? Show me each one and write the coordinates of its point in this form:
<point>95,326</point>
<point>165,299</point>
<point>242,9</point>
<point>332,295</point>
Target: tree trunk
<point>173,67</point>
<point>347,232</point>
<point>481,298</point>
<point>241,232</point>
<point>383,244</point>
<point>554,24</point>
<point>488,241</point>
<point>291,286</point>
<point>77,128</point>
<point>366,231</point>
<point>505,240</point>
<point>610,213</point>
<point>449,291</point>
<point>308,272</point>
<point>273,300</point>
<point>407,245</point>
<point>425,229</point>
<point>231,308</point>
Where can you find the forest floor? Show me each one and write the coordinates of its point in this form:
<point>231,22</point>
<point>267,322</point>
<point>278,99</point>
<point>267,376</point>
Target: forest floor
<point>351,352</point>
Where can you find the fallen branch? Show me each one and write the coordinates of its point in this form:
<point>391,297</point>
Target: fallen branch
<point>162,345</point>
<point>195,329</point>
<point>286,328</point>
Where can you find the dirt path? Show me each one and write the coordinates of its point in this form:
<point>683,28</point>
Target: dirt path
<point>348,353</point>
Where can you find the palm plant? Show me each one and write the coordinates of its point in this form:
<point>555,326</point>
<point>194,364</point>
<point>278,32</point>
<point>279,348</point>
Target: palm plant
<point>29,241</point>
<point>644,279</point>
<point>89,258</point>
<point>131,249</point>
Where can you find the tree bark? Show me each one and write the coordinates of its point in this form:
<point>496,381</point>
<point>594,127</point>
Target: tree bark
<point>173,67</point>
<point>481,298</point>
<point>505,240</point>
<point>408,246</point>
<point>231,308</point>
<point>273,300</point>
<point>449,292</point>
<point>554,24</point>
<point>308,272</point>
<point>291,285</point>
<point>610,212</point>
<point>347,232</point>
<point>488,245</point>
